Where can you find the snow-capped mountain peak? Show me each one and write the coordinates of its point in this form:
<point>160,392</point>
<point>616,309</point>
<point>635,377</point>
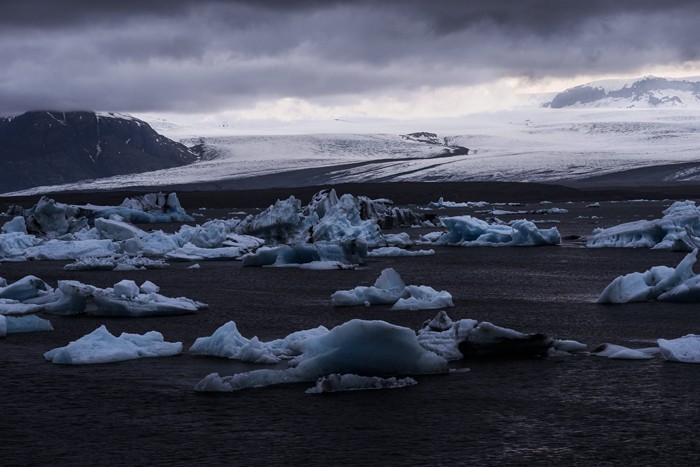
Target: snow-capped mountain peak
<point>646,92</point>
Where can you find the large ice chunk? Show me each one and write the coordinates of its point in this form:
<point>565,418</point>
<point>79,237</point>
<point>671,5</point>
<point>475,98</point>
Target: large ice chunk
<point>124,299</point>
<point>72,249</point>
<point>25,288</point>
<point>662,283</point>
<point>685,349</point>
<point>17,324</point>
<point>100,346</point>
<point>16,225</point>
<point>455,340</point>
<point>680,221</point>
<point>390,289</point>
<point>470,231</point>
<point>228,342</point>
<point>277,224</point>
<point>346,252</point>
<point>117,230</point>
<point>361,347</point>
<point>13,245</point>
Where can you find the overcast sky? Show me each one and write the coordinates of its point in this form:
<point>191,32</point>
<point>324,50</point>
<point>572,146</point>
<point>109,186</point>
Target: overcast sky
<point>307,58</point>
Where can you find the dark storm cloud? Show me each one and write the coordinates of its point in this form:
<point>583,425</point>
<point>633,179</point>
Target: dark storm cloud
<point>210,55</point>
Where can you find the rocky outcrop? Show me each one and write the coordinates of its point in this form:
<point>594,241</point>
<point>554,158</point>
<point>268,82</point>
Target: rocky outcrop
<point>49,148</point>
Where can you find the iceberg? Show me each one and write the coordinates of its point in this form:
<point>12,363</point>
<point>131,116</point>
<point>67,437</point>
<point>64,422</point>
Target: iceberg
<point>124,299</point>
<point>16,225</point>
<point>72,249</point>
<point>392,251</point>
<point>390,289</point>
<point>346,252</point>
<point>442,204</point>
<point>146,209</point>
<point>278,223</point>
<point>24,289</point>
<point>467,338</point>
<point>190,252</point>
<point>117,230</point>
<point>679,225</point>
<point>357,346</point>
<point>337,383</point>
<point>100,346</point>
<point>679,284</point>
<point>9,307</point>
<point>684,349</point>
<point>117,263</point>
<point>620,352</point>
<point>18,324</point>
<point>13,245</point>
<point>228,342</point>
<point>470,231</point>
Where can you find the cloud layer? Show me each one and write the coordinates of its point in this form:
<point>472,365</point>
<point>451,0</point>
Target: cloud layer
<point>209,56</point>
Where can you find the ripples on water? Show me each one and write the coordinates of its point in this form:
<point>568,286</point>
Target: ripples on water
<point>572,411</point>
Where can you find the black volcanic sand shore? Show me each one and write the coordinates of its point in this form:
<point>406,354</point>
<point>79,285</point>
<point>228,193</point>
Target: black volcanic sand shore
<point>580,410</point>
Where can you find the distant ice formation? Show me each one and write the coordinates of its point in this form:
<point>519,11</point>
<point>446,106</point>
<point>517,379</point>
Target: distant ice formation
<point>470,231</point>
<point>390,289</point>
<point>678,229</point>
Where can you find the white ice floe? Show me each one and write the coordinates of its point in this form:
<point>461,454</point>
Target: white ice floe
<point>117,230</point>
<point>13,245</point>
<point>338,383</point>
<point>102,347</point>
<point>455,340</point>
<point>16,225</point>
<point>357,346</point>
<point>72,249</point>
<point>328,266</point>
<point>684,349</point>
<point>679,284</point>
<point>392,251</point>
<point>24,289</point>
<point>397,240</point>
<point>469,231</point>
<point>117,263</point>
<point>18,324</point>
<point>228,342</point>
<point>390,289</point>
<point>124,299</point>
<point>442,204</point>
<point>190,252</point>
<point>681,220</point>
<point>620,352</point>
<point>9,307</point>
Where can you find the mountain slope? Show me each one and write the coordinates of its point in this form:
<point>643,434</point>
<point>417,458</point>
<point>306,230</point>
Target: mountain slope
<point>45,148</point>
<point>648,92</point>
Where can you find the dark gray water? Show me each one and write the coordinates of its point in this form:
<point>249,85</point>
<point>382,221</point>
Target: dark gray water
<point>580,410</point>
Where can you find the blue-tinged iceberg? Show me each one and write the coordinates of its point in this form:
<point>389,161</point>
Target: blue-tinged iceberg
<point>678,229</point>
<point>100,346</point>
<point>470,231</point>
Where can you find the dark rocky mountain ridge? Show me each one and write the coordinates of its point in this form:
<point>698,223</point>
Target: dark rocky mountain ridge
<point>47,148</point>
